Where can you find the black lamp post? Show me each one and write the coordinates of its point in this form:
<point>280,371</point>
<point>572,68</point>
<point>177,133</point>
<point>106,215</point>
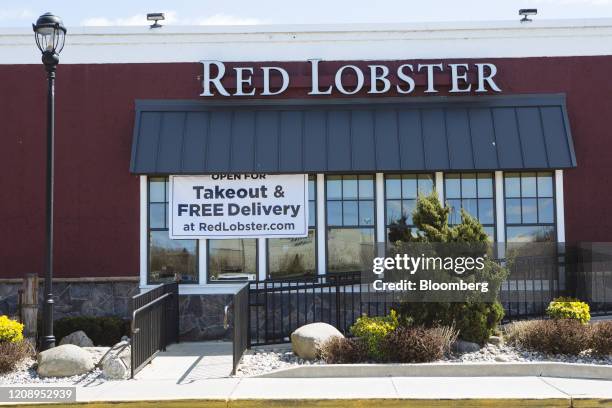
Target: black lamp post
<point>50,34</point>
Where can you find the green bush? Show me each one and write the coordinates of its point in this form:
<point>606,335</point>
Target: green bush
<point>557,336</point>
<point>103,331</point>
<point>601,338</point>
<point>373,329</point>
<point>12,352</point>
<point>11,331</point>
<point>475,320</point>
<point>341,350</point>
<point>418,344</point>
<point>569,308</point>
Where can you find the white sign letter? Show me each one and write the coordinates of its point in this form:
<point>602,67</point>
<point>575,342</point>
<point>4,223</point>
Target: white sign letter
<point>216,81</point>
<point>241,81</point>
<point>430,75</point>
<point>406,78</point>
<point>456,77</point>
<point>266,80</point>
<point>360,79</point>
<point>314,89</point>
<point>375,78</point>
<point>488,78</point>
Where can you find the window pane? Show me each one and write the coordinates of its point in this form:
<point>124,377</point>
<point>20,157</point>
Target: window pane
<point>157,188</point>
<point>546,212</point>
<point>425,184</point>
<point>491,233</point>
<point>530,211</point>
<point>470,205</point>
<point>172,259</point>
<point>409,186</point>
<point>408,207</point>
<point>393,187</point>
<point>334,187</point>
<point>366,187</point>
<point>455,214</point>
<point>349,248</point>
<point>292,257</point>
<point>157,213</point>
<point>312,214</point>
<point>545,185</point>
<point>513,210</point>
<point>349,215</point>
<point>485,186</point>
<point>528,185</point>
<point>311,190</point>
<point>349,187</point>
<point>468,185</point>
<point>531,234</point>
<point>452,186</point>
<point>232,259</point>
<point>366,213</point>
<point>394,211</point>
<point>512,185</point>
<point>334,213</point>
<point>485,211</point>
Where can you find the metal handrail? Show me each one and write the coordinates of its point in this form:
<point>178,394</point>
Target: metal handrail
<point>135,330</point>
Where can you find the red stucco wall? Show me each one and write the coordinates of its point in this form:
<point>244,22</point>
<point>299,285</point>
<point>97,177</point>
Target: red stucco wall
<point>97,199</point>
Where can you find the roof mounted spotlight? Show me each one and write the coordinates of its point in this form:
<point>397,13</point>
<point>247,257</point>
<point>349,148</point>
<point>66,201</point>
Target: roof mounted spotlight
<point>155,17</point>
<point>527,12</point>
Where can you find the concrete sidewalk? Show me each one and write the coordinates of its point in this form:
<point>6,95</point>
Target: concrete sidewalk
<point>190,361</point>
<point>386,391</point>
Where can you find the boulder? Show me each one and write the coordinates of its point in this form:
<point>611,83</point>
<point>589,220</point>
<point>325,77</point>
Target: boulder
<point>307,340</point>
<point>64,361</point>
<point>114,368</point>
<point>496,340</point>
<point>462,346</point>
<point>78,338</point>
<point>121,350</point>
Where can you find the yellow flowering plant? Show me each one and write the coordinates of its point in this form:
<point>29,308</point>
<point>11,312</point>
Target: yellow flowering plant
<point>373,330</point>
<point>11,331</point>
<point>569,308</point>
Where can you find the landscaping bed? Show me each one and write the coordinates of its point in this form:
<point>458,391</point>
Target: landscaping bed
<point>263,360</point>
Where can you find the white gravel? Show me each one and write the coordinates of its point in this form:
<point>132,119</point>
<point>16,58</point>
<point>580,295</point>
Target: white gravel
<point>263,360</point>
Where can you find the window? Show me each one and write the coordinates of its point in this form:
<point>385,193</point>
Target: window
<point>350,221</point>
<point>232,260</point>
<point>530,207</point>
<point>474,193</point>
<point>169,259</point>
<point>295,257</point>
<point>401,192</point>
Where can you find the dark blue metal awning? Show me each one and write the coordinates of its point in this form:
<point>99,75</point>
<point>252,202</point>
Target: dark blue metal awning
<point>348,135</point>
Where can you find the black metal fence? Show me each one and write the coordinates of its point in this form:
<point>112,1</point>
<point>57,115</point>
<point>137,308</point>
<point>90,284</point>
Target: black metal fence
<point>279,306</point>
<point>241,325</point>
<point>155,323</point>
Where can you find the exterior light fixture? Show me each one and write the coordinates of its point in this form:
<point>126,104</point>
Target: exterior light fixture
<point>527,12</point>
<point>155,17</point>
<point>50,34</point>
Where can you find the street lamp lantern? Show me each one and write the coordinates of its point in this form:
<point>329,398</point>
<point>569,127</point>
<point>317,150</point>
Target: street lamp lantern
<point>50,34</point>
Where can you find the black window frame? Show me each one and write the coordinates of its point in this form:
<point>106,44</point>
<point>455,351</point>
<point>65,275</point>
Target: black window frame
<point>166,201</point>
<point>477,198</point>
<point>536,197</point>
<point>327,227</point>
<point>311,177</point>
<point>432,176</point>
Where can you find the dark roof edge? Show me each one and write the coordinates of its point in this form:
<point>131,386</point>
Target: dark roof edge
<point>169,105</point>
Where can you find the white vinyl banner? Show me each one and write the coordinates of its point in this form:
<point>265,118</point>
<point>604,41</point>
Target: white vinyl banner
<point>238,206</point>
